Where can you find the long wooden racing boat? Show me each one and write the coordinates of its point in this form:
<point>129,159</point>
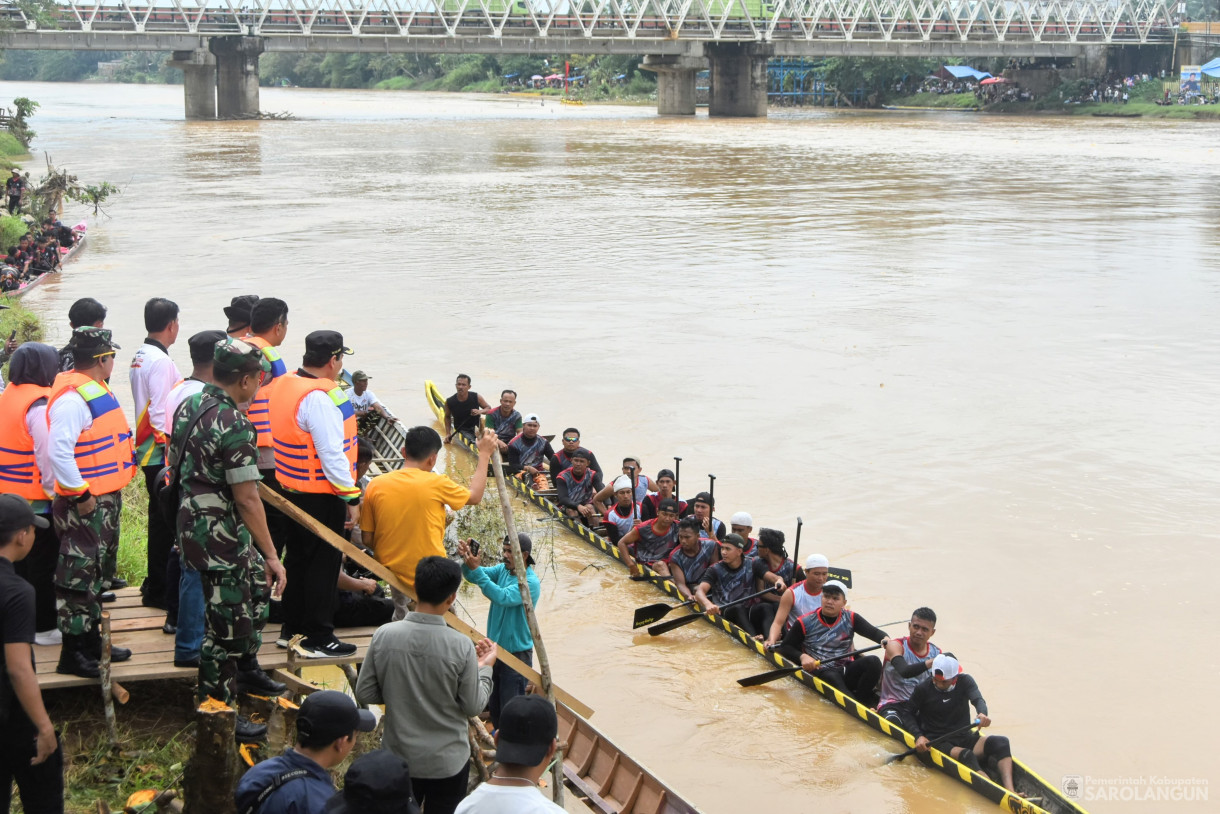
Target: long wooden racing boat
<point>64,256</point>
<point>1040,796</point>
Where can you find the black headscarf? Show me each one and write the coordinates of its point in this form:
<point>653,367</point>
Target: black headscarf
<point>34,363</point>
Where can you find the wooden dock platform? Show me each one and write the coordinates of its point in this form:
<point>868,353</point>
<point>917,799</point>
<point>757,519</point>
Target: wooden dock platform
<point>152,651</point>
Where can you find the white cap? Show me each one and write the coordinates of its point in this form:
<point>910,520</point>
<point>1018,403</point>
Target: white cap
<point>946,666</point>
<point>622,482</point>
<point>741,519</point>
<point>834,583</point>
<point>816,561</point>
<point>530,417</point>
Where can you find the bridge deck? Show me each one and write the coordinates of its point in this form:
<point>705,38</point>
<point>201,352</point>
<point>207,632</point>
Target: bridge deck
<point>139,628</point>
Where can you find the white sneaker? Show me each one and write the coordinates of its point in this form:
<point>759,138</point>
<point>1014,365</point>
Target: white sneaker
<point>49,637</point>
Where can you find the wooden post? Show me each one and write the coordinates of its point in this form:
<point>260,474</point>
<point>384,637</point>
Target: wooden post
<point>107,689</point>
<point>211,774</point>
<point>357,555</point>
<point>527,604</point>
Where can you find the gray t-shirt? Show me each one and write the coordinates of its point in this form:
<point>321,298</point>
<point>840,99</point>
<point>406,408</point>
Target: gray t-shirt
<point>429,679</point>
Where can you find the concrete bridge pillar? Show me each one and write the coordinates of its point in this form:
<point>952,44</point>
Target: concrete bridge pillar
<point>236,75</point>
<point>199,82</point>
<point>675,82</point>
<point>739,79</point>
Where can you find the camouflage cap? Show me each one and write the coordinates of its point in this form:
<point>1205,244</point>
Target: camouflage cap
<point>236,356</point>
<point>94,339</point>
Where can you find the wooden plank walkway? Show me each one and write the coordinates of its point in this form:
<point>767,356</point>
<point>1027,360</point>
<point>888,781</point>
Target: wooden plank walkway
<point>139,628</point>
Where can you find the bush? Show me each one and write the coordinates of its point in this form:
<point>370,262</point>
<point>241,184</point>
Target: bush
<point>11,230</point>
<point>462,76</point>
<point>10,145</point>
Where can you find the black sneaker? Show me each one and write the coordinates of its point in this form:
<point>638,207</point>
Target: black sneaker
<point>257,682</point>
<point>115,583</point>
<point>330,649</point>
<point>249,732</point>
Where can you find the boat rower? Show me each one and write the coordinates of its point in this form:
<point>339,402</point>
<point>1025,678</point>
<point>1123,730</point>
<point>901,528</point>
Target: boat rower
<point>742,523</point>
<point>906,660</point>
<point>701,509</point>
<point>819,639</point>
<point>462,410</point>
<point>690,560</point>
<point>621,518</point>
<point>529,451</point>
<point>942,705</point>
<point>771,568</point>
<point>727,581</point>
<point>643,483</point>
<point>650,543</point>
<point>665,489</point>
<point>575,487</point>
<point>802,598</point>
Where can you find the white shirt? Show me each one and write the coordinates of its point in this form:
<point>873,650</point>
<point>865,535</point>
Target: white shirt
<point>69,417</point>
<point>36,425</point>
<point>319,417</point>
<point>523,799</point>
<point>179,393</point>
<point>363,402</point>
<point>153,375</point>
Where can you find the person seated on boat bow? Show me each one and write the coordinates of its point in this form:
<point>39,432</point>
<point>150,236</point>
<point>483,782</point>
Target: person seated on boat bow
<point>621,518</point>
<point>819,638</point>
<point>529,451</point>
<point>462,410</point>
<point>701,509</point>
<point>504,420</point>
<point>665,490</point>
<point>942,705</point>
<point>727,581</point>
<point>799,599</point>
<point>563,459</point>
<point>742,523</point>
<point>575,487</point>
<point>771,568</point>
<point>365,404</point>
<point>651,542</point>
<point>688,562</point>
<point>906,660</point>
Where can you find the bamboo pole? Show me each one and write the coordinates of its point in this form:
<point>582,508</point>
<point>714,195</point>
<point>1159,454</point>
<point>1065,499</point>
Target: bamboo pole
<point>358,555</point>
<point>104,668</point>
<point>527,604</point>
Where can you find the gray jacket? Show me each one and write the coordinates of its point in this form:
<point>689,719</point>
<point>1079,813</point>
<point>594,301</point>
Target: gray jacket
<point>428,677</point>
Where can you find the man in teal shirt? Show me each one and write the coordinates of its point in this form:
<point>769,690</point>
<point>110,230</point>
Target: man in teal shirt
<point>506,623</point>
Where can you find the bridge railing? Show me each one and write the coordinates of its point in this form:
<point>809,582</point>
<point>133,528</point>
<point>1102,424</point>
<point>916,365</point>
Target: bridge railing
<point>1043,21</point>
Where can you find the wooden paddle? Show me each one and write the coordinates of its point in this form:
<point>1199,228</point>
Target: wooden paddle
<point>773,675</point>
<point>796,547</point>
<point>711,509</point>
<point>931,743</point>
<point>677,472</point>
<point>665,627</point>
<point>651,613</point>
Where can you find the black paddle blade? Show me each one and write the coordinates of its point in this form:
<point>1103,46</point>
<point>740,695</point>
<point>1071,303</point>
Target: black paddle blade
<point>896,758</point>
<point>841,574</point>
<point>665,627</point>
<point>766,678</point>
<point>650,614</point>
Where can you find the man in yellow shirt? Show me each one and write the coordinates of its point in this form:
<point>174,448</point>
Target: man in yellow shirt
<point>402,518</point>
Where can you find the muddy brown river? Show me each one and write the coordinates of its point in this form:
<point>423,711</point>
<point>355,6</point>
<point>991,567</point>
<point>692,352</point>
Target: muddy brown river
<point>978,355</point>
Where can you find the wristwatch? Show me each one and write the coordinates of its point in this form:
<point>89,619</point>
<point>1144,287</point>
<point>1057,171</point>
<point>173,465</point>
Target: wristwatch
<point>83,497</point>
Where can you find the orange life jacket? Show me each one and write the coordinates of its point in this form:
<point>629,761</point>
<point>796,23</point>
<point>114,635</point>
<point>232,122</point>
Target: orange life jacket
<point>19,472</point>
<point>260,409</point>
<point>105,455</point>
<point>297,465</point>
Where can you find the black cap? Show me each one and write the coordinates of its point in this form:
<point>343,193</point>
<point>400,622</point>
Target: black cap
<point>666,473</point>
<point>580,452</point>
<point>238,310</point>
<point>705,497</point>
<point>668,505</point>
<point>527,727</point>
<point>328,715</point>
<point>376,783</point>
<point>16,514</point>
<point>527,546</point>
<point>327,342</point>
<point>203,345</point>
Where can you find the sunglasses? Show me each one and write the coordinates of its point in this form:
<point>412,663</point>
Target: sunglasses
<point>571,440</point>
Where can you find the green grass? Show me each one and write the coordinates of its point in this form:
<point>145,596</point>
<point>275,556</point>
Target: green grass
<point>17,317</point>
<point>948,101</point>
<point>12,228</point>
<point>133,532</point>
<point>10,145</point>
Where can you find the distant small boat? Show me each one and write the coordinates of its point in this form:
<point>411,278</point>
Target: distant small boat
<point>570,102</point>
<point>65,256</point>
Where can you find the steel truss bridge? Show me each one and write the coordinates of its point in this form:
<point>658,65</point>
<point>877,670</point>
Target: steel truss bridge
<point>796,27</point>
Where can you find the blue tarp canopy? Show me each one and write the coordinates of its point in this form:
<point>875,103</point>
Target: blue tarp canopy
<point>509,75</point>
<point>960,72</point>
<point>1212,68</point>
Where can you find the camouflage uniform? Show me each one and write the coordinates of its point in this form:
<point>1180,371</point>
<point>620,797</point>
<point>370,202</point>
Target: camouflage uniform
<point>84,542</point>
<point>222,450</point>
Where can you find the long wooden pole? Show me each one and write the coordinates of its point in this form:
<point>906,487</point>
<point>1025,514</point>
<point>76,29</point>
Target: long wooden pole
<point>527,604</point>
<point>104,669</point>
<point>357,554</point>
